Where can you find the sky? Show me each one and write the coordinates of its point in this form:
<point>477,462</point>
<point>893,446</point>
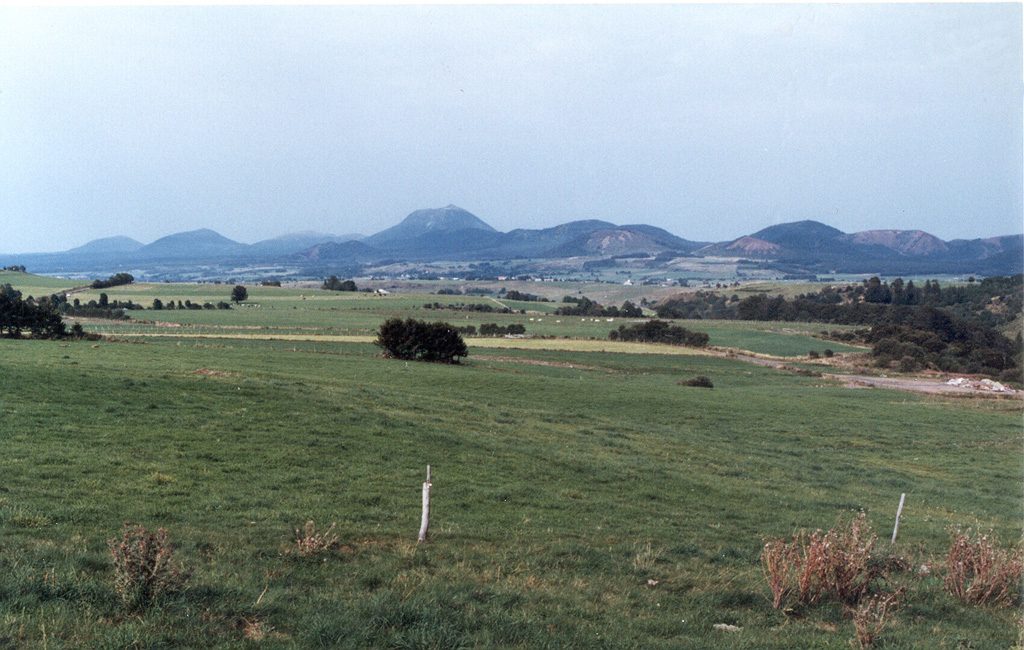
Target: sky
<point>711,121</point>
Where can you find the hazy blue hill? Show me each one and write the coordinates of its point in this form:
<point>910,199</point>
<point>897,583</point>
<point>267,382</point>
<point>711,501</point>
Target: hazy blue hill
<point>1006,262</point>
<point>904,242</point>
<point>797,239</point>
<point>347,251</point>
<point>537,243</point>
<point>107,245</point>
<point>989,256</point>
<point>821,247</point>
<point>985,248</point>
<point>469,243</point>
<point>623,240</point>
<point>447,219</point>
<point>297,242</point>
<point>666,238</point>
<point>195,244</point>
<point>563,233</point>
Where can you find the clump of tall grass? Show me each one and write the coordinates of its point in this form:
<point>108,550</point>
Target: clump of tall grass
<point>645,556</point>
<point>144,566</point>
<point>978,572</point>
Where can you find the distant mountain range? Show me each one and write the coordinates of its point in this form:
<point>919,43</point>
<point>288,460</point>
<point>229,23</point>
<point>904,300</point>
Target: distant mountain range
<point>451,233</point>
<point>821,248</point>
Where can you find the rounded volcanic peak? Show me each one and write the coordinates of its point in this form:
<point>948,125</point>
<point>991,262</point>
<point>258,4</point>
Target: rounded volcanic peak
<point>905,242</point>
<point>202,235</point>
<point>584,226</point>
<point>194,243</point>
<point>620,241</point>
<point>797,234</point>
<point>450,218</point>
<point>561,234</point>
<point>118,244</point>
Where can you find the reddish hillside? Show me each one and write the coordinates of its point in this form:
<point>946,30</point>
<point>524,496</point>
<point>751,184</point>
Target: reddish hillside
<point>904,242</point>
<point>753,245</point>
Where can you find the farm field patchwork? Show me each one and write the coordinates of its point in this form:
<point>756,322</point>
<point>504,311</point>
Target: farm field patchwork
<point>312,311</point>
<point>581,498</point>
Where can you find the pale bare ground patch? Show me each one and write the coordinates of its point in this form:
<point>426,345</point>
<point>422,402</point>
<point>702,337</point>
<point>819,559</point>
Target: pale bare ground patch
<point>928,385</point>
<point>214,373</point>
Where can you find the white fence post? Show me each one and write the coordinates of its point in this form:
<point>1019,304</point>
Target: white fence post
<point>425,519</point>
<point>899,512</point>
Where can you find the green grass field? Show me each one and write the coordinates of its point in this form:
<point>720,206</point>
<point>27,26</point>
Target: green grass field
<point>37,285</point>
<point>312,311</point>
<point>580,499</point>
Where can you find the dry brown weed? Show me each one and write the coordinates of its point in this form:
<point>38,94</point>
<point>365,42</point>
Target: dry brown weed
<point>979,572</point>
<point>309,542</point>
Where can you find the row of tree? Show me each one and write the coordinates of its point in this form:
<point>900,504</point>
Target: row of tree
<point>583,306</point>
<point>659,331</point>
<point>115,280</point>
<point>188,304</point>
<point>493,329</point>
<point>522,296</point>
<point>473,306</point>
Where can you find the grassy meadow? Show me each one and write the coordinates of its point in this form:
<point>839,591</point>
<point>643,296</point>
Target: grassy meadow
<point>581,498</point>
<point>312,313</point>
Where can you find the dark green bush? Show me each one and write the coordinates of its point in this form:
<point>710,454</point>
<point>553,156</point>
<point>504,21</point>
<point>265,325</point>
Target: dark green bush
<point>909,364</point>
<point>700,381</point>
<point>417,340</point>
<point>334,284</point>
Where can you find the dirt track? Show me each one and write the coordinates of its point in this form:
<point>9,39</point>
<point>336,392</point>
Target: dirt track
<point>914,384</point>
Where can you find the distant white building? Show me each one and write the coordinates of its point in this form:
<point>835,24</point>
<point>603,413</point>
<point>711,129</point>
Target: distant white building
<point>628,283</point>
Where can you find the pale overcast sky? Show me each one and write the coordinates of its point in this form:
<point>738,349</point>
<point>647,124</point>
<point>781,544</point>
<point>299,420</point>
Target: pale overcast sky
<point>711,121</point>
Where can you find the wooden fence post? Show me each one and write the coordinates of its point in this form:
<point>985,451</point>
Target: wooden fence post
<point>425,519</point>
<point>899,511</point>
